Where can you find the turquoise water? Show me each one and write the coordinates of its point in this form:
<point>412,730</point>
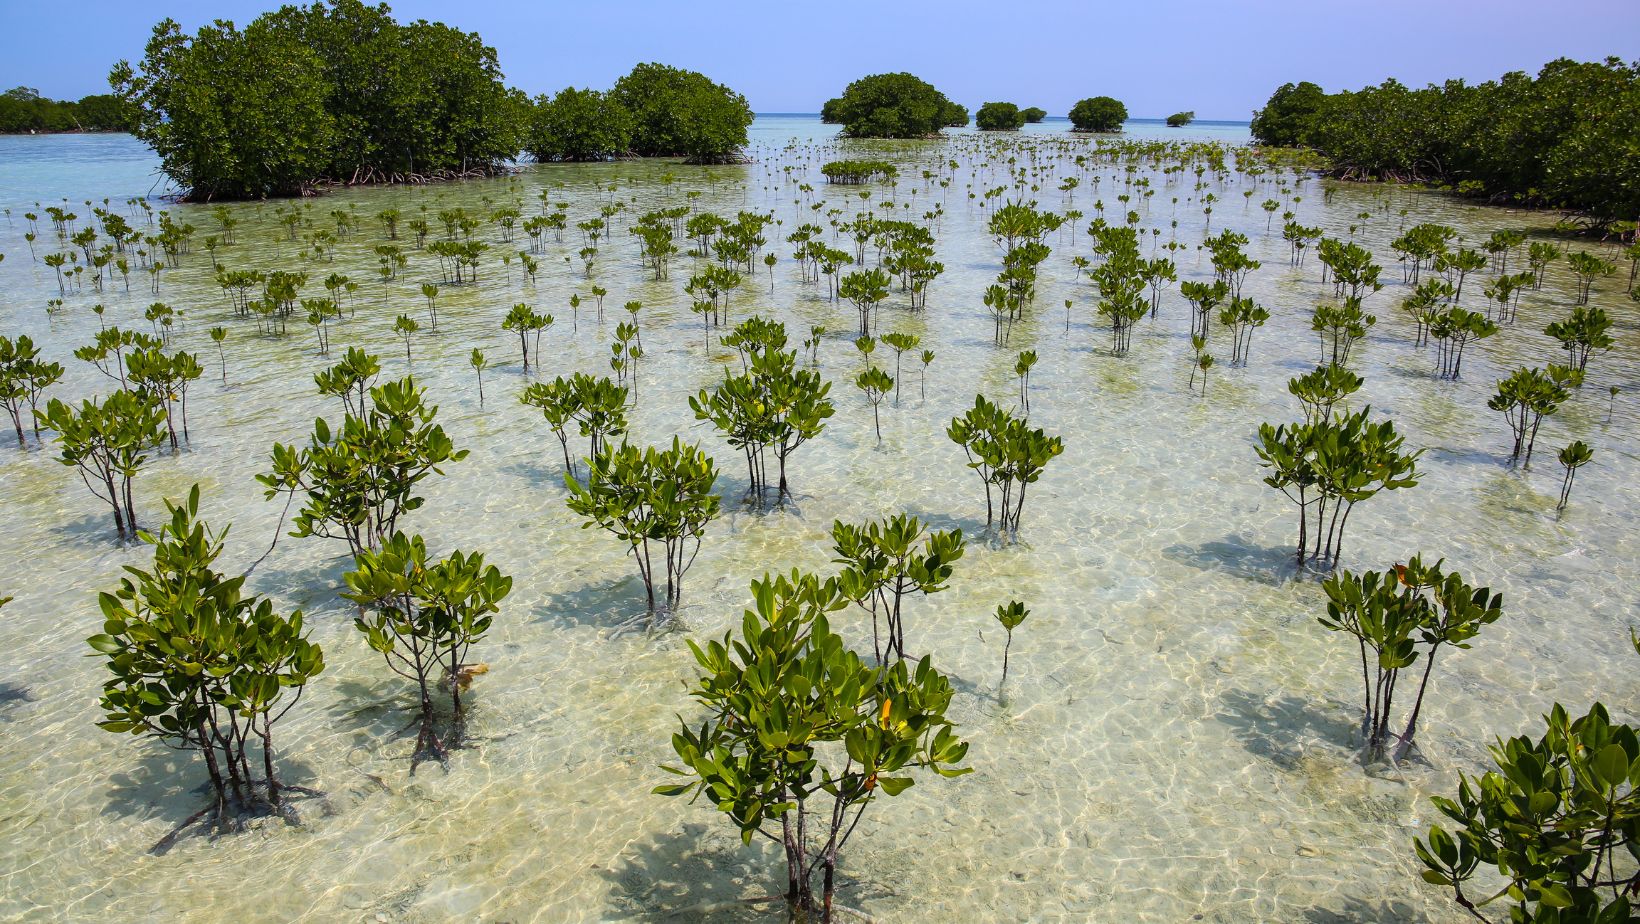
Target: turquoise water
<point>1177,739</point>
<point>46,168</point>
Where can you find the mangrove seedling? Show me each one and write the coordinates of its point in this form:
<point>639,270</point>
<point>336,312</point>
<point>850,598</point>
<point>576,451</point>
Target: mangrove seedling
<point>479,363</point>
<point>1581,333</point>
<point>219,334</point>
<point>874,383</point>
<point>866,346</point>
<point>1242,316</point>
<point>1382,616</point>
<point>1539,254</point>
<point>865,289</point>
<point>1453,613</point>
<point>556,402</point>
<point>165,380</point>
<point>198,664</point>
<point>599,407</point>
<point>802,735</point>
<point>1010,615</point>
<point>1121,299</point>
<point>773,406</point>
<point>406,326</point>
<point>525,322</point>
<point>1588,267</point>
<point>423,616</point>
<point>108,442</point>
<point>1331,465</point>
<point>900,343</point>
<point>1202,363</point>
<point>1008,455</point>
<point>656,501</point>
<point>1453,329</point>
<point>888,560</point>
<point>596,405</point>
<point>817,333</point>
<point>1524,398</point>
<point>1554,821</point>
<point>1022,370</point>
<point>358,480</point>
<point>430,291</point>
<point>1573,457</point>
<point>350,379</point>
<point>23,378</point>
<point>1341,327</point>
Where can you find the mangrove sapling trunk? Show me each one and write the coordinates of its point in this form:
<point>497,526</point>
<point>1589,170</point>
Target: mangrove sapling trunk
<point>1303,525</point>
<point>1405,746</point>
<point>407,656</point>
<point>1377,744</point>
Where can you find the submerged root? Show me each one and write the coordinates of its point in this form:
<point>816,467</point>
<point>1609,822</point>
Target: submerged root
<point>220,818</point>
<point>651,624</point>
<point>429,747</point>
<point>768,499</point>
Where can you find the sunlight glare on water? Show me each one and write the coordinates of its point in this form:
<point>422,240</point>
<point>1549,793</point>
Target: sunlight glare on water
<point>1177,739</point>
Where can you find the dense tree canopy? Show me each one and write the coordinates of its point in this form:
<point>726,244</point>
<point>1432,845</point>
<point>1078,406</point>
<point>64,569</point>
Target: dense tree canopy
<point>23,109</point>
<point>578,125</point>
<point>999,117</point>
<point>1568,138</point>
<point>1285,119</point>
<point>328,92</point>
<point>232,113</point>
<point>892,106</point>
<point>1098,114</point>
<point>679,113</point>
<point>1034,114</point>
<point>1181,119</point>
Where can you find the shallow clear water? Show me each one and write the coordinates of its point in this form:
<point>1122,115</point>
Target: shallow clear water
<point>1176,742</point>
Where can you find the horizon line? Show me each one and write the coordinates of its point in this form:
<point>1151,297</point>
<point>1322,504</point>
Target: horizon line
<point>1050,118</point>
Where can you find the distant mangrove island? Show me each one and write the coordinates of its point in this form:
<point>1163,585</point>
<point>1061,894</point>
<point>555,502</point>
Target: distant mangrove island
<point>437,107</point>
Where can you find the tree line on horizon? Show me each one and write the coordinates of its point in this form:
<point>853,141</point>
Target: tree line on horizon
<point>23,111</point>
<point>339,92</point>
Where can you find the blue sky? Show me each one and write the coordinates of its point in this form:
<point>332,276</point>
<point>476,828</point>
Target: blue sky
<point>1220,58</point>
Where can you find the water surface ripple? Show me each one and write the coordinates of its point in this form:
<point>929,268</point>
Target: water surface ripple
<point>1176,743</point>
